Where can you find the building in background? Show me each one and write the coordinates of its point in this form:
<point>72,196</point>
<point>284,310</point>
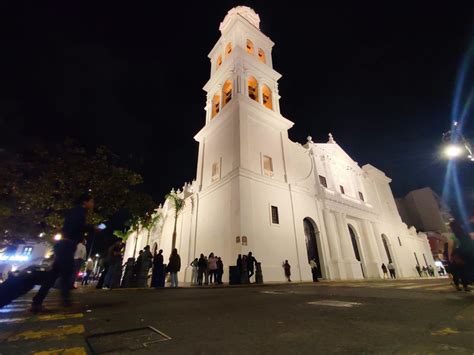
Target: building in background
<point>424,209</point>
<point>256,190</point>
<point>20,256</point>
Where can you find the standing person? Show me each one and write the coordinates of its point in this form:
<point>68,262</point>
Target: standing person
<point>287,268</point>
<point>89,268</point>
<point>391,269</point>
<point>238,263</point>
<point>202,265</point>
<point>114,272</point>
<point>314,269</point>
<point>142,280</point>
<point>212,262</point>
<point>174,266</point>
<point>206,272</point>
<point>457,267</point>
<point>251,261</point>
<point>158,271</point>
<point>74,227</point>
<point>194,272</point>
<point>220,270</point>
<point>79,257</point>
<point>384,270</point>
<point>418,269</point>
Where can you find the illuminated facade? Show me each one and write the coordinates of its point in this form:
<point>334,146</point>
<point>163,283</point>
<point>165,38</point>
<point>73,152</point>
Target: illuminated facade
<point>256,190</point>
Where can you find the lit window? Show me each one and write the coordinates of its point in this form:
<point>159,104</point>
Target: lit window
<point>267,166</point>
<point>267,97</point>
<point>228,49</point>
<point>219,61</point>
<point>342,189</point>
<point>275,216</point>
<point>227,92</point>
<point>27,251</point>
<point>361,196</point>
<point>216,171</point>
<point>261,55</point>
<point>252,85</point>
<point>249,47</point>
<point>323,181</point>
<point>216,103</point>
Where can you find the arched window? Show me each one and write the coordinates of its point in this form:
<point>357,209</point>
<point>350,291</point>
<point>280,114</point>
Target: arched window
<point>261,55</point>
<point>219,61</point>
<point>216,105</point>
<point>386,247</point>
<point>252,85</point>
<point>228,49</point>
<point>227,92</point>
<point>267,97</point>
<point>249,47</point>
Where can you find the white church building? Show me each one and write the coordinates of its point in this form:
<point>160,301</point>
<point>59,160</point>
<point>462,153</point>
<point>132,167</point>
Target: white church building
<point>256,190</point>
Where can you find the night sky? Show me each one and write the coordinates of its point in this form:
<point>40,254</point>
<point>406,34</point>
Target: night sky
<point>379,75</point>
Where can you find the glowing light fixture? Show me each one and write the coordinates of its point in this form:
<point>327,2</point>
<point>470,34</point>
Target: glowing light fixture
<point>58,237</point>
<point>453,151</point>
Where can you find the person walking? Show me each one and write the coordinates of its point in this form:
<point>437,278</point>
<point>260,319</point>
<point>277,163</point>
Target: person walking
<point>220,270</point>
<point>384,270</point>
<point>212,262</point>
<point>89,269</point>
<point>174,266</point>
<point>114,272</point>
<point>418,269</point>
<point>80,256</point>
<point>314,269</point>
<point>251,261</point>
<point>202,265</point>
<point>287,268</point>
<point>194,272</point>
<point>391,269</point>
<point>74,227</point>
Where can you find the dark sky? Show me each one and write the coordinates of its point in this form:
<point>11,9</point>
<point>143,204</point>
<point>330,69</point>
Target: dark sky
<point>379,75</point>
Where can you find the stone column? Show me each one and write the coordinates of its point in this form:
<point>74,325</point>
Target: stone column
<point>372,262</point>
<point>332,238</point>
<point>352,264</point>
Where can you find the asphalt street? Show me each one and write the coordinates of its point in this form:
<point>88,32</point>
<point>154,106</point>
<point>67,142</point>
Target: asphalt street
<point>383,317</point>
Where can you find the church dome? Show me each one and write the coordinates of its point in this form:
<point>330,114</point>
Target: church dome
<point>244,11</point>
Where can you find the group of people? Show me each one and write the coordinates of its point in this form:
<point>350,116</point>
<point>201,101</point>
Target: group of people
<point>425,271</point>
<point>207,270</point>
<point>389,268</point>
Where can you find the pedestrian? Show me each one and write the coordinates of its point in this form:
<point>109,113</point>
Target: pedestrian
<point>287,268</point>
<point>206,272</point>
<point>384,270</point>
<point>391,270</point>
<point>89,269</point>
<point>212,262</point>
<point>79,258</point>
<point>424,271</point>
<point>220,270</point>
<point>194,272</point>
<point>174,266</point>
<point>158,270</point>
<point>251,261</point>
<point>457,267</point>
<point>244,275</point>
<point>145,265</point>
<point>238,263</point>
<point>314,269</point>
<point>202,265</point>
<point>114,272</point>
<point>418,269</point>
<point>431,271</point>
<point>74,227</point>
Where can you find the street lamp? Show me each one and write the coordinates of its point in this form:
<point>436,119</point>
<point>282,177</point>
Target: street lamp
<point>455,145</point>
<point>453,151</point>
<point>58,237</point>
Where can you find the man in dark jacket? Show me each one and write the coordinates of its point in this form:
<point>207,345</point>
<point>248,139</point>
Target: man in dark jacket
<point>251,261</point>
<point>73,231</point>
<point>174,266</point>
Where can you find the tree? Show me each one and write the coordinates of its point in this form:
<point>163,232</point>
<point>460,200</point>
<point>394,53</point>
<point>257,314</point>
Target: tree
<point>150,221</point>
<point>178,205</point>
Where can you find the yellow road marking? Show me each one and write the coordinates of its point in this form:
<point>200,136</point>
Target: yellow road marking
<point>57,333</point>
<point>70,351</point>
<point>445,331</point>
<point>48,317</point>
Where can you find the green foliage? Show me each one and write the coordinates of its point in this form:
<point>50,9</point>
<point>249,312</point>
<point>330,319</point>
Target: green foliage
<point>177,202</point>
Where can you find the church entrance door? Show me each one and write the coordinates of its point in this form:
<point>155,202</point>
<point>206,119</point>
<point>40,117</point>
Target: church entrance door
<point>311,234</point>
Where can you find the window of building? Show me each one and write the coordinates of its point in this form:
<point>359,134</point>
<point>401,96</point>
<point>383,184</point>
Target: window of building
<point>361,196</point>
<point>267,97</point>
<point>342,189</point>
<point>27,251</point>
<point>249,47</point>
<point>219,61</point>
<point>216,105</point>
<point>216,171</point>
<point>252,85</point>
<point>261,55</point>
<point>267,166</point>
<point>399,241</point>
<point>275,216</point>
<point>227,92</point>
<point>323,181</point>
<point>228,49</point>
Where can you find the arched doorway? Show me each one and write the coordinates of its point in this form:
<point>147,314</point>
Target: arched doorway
<point>386,247</point>
<point>355,246</point>
<point>311,232</point>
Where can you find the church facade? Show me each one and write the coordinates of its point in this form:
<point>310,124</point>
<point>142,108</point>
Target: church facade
<point>256,190</point>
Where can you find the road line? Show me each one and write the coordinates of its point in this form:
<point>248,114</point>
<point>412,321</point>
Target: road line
<point>413,287</point>
<point>48,317</point>
<point>69,351</point>
<point>13,320</point>
<point>56,333</point>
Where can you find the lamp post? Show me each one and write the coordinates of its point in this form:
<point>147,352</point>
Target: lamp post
<point>455,145</point>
